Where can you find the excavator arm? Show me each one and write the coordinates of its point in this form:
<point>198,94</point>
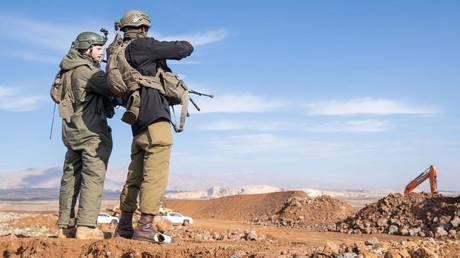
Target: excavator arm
<point>430,173</point>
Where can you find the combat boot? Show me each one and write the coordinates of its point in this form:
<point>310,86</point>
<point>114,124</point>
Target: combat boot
<point>88,233</point>
<point>67,232</point>
<point>145,231</point>
<point>125,225</point>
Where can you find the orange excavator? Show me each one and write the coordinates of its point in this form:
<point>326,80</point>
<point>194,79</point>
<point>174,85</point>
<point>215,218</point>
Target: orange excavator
<point>429,173</point>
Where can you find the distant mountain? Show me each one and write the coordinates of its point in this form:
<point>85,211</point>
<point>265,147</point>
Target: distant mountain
<point>23,178</point>
<point>47,178</point>
<point>43,184</point>
<point>219,191</point>
<point>115,178</point>
<point>43,194</point>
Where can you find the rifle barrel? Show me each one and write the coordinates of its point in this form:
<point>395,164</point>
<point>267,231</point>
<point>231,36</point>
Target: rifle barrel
<point>201,94</point>
<point>194,104</point>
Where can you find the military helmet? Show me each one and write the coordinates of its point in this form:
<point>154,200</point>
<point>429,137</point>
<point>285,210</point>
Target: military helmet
<point>85,40</point>
<point>134,18</point>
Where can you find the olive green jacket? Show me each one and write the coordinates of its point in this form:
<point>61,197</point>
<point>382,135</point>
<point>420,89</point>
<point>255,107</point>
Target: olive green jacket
<point>91,101</point>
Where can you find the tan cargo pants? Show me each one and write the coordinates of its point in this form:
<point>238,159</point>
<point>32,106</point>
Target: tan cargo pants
<point>148,170</point>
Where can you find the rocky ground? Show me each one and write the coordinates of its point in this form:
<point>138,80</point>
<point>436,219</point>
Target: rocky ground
<point>34,234</point>
<point>12,246</point>
<point>372,248</point>
<point>25,225</point>
<point>44,225</point>
<point>418,214</point>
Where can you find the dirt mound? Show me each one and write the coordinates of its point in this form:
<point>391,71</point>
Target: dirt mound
<point>286,209</point>
<point>419,214</point>
<point>319,214</point>
<point>236,207</point>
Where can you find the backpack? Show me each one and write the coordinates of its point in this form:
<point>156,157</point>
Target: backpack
<point>123,79</point>
<point>61,93</point>
<point>177,93</point>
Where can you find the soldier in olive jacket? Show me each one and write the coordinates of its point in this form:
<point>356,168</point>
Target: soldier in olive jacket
<point>87,137</point>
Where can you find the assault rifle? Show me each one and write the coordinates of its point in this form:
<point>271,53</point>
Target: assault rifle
<point>199,94</point>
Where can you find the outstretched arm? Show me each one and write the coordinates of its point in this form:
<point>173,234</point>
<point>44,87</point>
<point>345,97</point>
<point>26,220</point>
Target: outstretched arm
<point>175,50</point>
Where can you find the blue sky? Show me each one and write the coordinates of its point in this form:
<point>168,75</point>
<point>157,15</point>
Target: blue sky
<point>348,94</point>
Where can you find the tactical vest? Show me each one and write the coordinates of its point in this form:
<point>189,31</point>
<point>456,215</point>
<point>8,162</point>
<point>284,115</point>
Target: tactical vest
<point>123,80</point>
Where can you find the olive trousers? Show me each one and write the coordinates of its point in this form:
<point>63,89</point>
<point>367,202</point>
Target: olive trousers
<point>83,176</point>
<point>149,169</point>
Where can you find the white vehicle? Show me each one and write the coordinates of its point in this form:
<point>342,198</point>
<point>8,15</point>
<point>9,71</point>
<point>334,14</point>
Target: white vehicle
<point>177,218</point>
<point>104,218</point>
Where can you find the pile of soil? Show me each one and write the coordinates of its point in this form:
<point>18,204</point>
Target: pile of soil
<point>235,207</point>
<point>318,214</point>
<point>417,214</point>
<point>286,209</point>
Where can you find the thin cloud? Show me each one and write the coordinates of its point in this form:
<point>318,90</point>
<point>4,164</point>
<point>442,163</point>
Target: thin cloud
<point>41,34</point>
<point>38,41</point>
<point>288,147</point>
<point>367,106</point>
<point>254,143</point>
<point>47,41</point>
<point>238,103</point>
<point>6,91</point>
<point>264,126</point>
<point>352,126</point>
<point>11,101</point>
<point>198,39</point>
<point>32,56</point>
<point>224,126</point>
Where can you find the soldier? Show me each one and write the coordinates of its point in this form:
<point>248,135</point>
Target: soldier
<point>86,135</point>
<point>151,146</point>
